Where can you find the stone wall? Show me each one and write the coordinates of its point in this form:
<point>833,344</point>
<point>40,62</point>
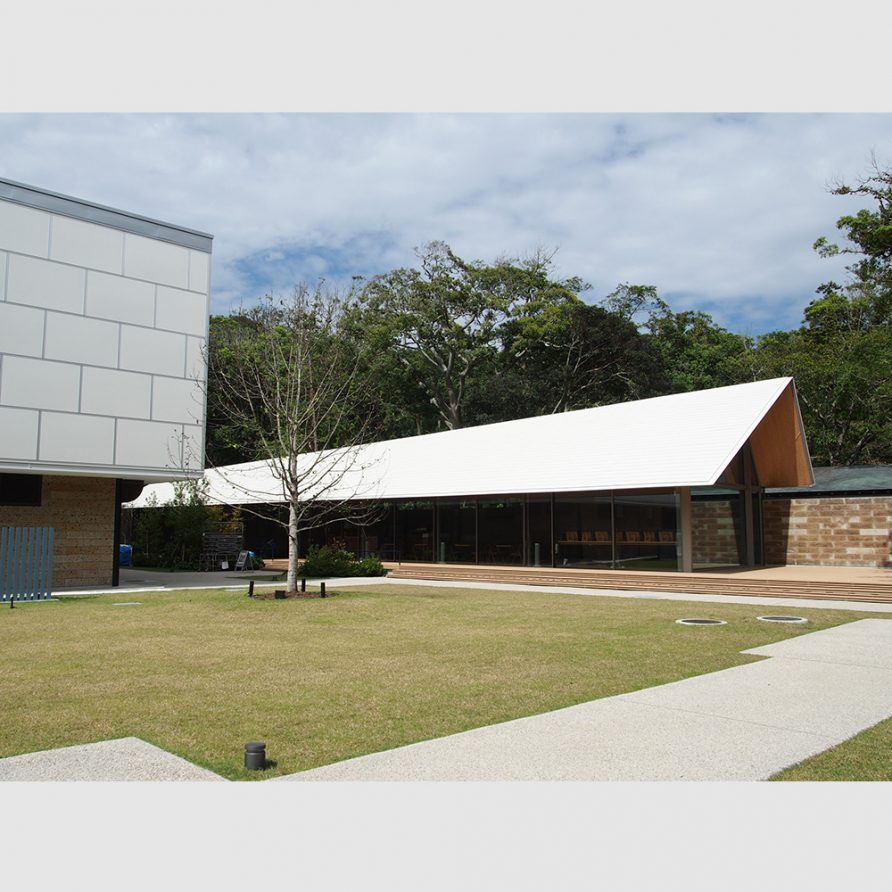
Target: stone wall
<point>855,531</point>
<point>82,511</point>
<point>715,531</point>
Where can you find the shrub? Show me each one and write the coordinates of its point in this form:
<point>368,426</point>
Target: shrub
<point>170,535</point>
<point>370,566</point>
<point>327,560</point>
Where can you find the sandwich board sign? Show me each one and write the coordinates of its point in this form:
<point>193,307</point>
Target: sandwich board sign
<point>242,560</point>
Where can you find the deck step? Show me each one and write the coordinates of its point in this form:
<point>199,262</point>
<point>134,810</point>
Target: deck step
<point>874,592</point>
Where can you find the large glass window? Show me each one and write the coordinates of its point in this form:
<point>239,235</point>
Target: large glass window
<point>415,531</point>
<point>264,535</point>
<point>457,532</point>
<point>376,536</point>
<point>344,535</point>
<point>500,531</point>
<point>539,539</point>
<point>646,529</point>
<point>582,531</point>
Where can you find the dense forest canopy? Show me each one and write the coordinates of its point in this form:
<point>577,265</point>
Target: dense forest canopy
<point>452,342</point>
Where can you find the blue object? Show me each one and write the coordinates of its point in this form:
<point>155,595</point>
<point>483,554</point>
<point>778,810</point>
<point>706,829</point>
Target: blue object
<point>125,555</point>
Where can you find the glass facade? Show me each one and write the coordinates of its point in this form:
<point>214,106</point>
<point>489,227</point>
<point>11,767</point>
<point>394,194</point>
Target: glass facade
<point>414,531</point>
<point>600,530</point>
<point>647,531</point>
<point>539,540</point>
<point>457,532</point>
<point>500,530</point>
<point>583,529</point>
<point>628,530</point>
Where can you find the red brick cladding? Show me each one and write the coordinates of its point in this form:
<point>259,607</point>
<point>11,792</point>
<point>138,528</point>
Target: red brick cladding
<point>831,532</point>
<point>82,511</point>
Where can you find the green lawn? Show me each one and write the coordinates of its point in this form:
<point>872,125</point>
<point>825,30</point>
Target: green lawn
<point>200,673</point>
<point>865,757</point>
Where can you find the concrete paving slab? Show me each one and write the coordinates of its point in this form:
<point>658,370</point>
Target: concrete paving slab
<point>126,759</point>
<point>773,602</point>
<point>866,642</point>
<point>609,740</point>
<point>798,695</point>
<point>744,723</point>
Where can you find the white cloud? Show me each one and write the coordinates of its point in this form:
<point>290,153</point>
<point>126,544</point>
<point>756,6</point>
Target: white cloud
<point>718,212</point>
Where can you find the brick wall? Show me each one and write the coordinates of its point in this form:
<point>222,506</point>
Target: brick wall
<point>82,511</point>
<point>715,531</point>
<point>855,532</point>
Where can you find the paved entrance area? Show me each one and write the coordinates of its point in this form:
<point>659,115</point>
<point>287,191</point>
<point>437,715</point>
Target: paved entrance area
<point>744,723</point>
<point>134,579</point>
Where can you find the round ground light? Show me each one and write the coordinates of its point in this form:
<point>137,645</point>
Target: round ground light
<point>701,622</point>
<point>782,619</point>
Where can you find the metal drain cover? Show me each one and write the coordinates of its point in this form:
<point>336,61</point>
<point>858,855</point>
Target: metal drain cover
<point>782,619</point>
<point>701,622</point>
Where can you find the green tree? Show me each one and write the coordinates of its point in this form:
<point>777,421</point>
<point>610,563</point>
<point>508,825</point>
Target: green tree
<point>866,298</point>
<point>229,440</point>
<point>445,321</point>
<point>170,535</point>
<point>285,373</point>
<point>694,352</point>
<point>841,357</point>
<point>564,354</point>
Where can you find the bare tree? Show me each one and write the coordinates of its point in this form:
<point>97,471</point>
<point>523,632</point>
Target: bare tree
<point>281,371</point>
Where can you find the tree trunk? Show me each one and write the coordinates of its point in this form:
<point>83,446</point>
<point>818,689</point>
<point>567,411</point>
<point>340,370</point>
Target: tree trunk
<point>291,582</point>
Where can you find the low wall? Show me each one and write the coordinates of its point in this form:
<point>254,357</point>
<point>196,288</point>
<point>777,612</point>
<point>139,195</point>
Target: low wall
<point>82,511</point>
<point>853,532</point>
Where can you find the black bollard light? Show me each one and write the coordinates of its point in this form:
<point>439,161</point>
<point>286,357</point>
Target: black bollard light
<point>251,589</point>
<point>255,756</point>
<point>303,584</point>
<point>11,601</point>
<point>322,589</point>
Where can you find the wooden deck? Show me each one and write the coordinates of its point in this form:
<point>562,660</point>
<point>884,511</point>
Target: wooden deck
<point>821,583</point>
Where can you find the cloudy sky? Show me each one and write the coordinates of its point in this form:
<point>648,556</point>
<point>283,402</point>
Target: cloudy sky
<point>718,211</point>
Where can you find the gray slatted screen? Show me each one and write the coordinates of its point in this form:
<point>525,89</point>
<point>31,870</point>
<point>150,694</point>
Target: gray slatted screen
<point>26,563</point>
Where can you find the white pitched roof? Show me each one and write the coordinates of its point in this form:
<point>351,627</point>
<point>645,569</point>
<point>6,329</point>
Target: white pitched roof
<point>686,439</point>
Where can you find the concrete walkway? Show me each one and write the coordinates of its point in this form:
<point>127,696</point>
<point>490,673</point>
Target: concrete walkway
<point>127,759</point>
<point>744,723</point>
<point>136,580</point>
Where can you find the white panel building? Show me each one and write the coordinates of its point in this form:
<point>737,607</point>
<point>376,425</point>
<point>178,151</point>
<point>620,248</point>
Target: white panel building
<point>103,323</point>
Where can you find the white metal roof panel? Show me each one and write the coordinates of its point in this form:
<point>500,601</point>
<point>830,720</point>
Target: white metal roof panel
<point>684,439</point>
